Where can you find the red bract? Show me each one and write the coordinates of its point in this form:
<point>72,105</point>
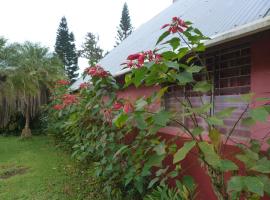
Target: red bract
<point>133,56</point>
<point>128,108</point>
<point>62,82</point>
<point>165,25</point>
<point>141,59</point>
<point>58,107</point>
<point>137,60</point>
<point>69,99</point>
<point>117,106</point>
<point>84,85</point>
<point>177,25</point>
<point>96,71</point>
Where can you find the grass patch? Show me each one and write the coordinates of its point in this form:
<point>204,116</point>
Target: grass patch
<point>34,169</point>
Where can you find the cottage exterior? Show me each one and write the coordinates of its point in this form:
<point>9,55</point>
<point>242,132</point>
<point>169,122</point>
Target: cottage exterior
<point>238,53</point>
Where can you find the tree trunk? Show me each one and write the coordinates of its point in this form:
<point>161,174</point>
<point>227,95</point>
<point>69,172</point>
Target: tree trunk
<point>26,132</point>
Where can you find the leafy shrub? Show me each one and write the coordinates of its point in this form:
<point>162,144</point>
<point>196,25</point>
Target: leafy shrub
<point>95,125</point>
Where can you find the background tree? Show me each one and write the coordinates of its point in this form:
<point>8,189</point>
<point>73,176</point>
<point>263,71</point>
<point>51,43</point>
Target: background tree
<point>125,28</point>
<point>90,49</point>
<point>29,71</point>
<point>66,50</point>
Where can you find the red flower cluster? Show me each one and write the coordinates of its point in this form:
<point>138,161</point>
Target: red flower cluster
<point>128,108</point>
<point>177,25</point>
<point>69,99</point>
<point>58,107</point>
<point>62,82</point>
<point>117,106</point>
<point>84,85</point>
<point>138,59</point>
<point>96,71</point>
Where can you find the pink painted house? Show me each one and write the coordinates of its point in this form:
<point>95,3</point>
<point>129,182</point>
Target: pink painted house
<point>238,55</point>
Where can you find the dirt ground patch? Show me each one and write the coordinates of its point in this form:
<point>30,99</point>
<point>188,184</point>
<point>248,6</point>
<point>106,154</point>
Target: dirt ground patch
<point>9,171</point>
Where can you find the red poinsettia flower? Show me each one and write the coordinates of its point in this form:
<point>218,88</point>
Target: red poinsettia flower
<point>117,106</point>
<point>133,56</point>
<point>137,60</point>
<point>177,25</point>
<point>96,71</point>
<point>128,108</point>
<point>58,107</point>
<point>84,85</point>
<point>62,82</point>
<point>69,99</point>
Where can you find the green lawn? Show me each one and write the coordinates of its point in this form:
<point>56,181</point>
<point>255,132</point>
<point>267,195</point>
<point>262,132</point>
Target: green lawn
<point>34,169</point>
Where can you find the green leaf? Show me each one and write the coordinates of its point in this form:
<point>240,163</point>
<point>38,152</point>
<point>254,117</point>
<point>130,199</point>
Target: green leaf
<point>139,76</point>
<point>200,47</point>
<point>197,131</point>
<point>139,183</point>
<point>160,149</point>
<point>140,104</point>
<point>128,79</point>
<point>189,182</point>
<point>205,108</point>
<point>211,157</point>
<point>162,118</point>
<point>194,69</point>
<point>182,52</point>
<point>249,162</point>
<point>215,121</point>
<point>254,185</point>
<point>152,182</point>
<point>168,55</point>
<point>155,160</point>
<point>227,165</point>
<point>120,151</point>
<point>162,37</point>
<point>225,113</point>
<point>173,174</point>
<point>174,42</point>
<point>248,121</point>
<point>184,78</point>
<point>259,114</point>
<point>262,165</point>
<point>183,151</point>
<point>266,182</point>
<point>236,183</point>
<point>202,86</point>
<point>215,137</point>
<point>120,120</point>
<point>160,93</point>
<point>141,123</point>
<point>173,65</point>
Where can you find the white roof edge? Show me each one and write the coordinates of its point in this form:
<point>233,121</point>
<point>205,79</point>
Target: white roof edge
<point>241,31</point>
<point>236,33</point>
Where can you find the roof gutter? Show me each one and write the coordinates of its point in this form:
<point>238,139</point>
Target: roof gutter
<point>233,34</point>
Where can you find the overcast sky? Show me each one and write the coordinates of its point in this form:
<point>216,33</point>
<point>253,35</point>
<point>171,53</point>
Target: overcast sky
<point>38,20</point>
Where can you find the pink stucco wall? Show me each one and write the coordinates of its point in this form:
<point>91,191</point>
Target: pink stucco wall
<point>260,79</point>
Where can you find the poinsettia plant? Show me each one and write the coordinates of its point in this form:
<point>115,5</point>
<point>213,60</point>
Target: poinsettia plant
<point>120,135</point>
<point>180,65</point>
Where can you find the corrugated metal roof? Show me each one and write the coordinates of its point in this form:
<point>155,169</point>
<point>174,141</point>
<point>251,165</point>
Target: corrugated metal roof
<point>212,17</point>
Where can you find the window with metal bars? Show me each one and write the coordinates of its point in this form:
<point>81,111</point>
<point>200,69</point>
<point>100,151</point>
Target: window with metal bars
<point>230,69</point>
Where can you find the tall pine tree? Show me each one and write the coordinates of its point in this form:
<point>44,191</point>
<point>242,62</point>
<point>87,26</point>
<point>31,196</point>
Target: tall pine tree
<point>90,49</point>
<point>66,50</point>
<point>125,28</point>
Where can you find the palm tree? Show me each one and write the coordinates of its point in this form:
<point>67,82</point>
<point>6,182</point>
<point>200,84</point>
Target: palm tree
<point>27,71</point>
